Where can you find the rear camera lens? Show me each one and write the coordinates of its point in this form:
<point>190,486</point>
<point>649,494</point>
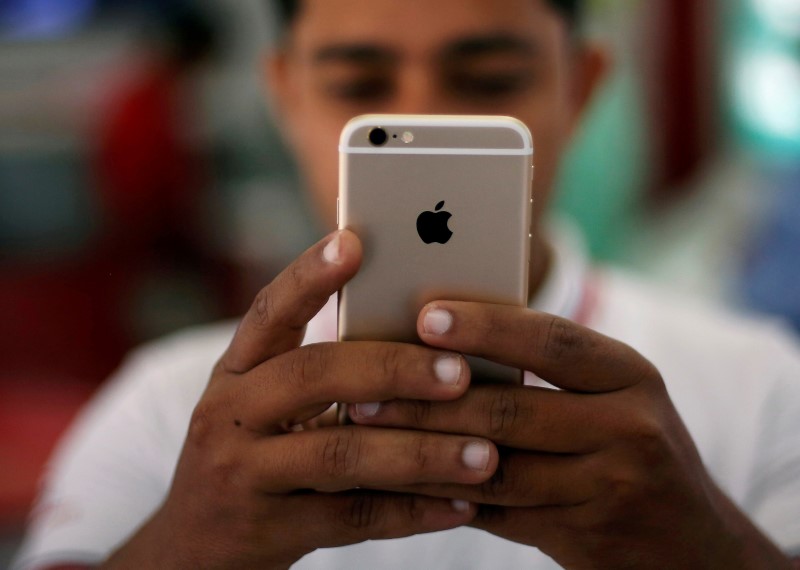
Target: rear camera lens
<point>378,137</point>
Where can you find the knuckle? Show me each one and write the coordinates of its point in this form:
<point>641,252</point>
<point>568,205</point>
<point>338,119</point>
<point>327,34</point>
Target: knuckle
<point>651,375</point>
<point>505,414</point>
<point>202,423</point>
<point>644,435</point>
<point>225,469</point>
<point>420,451</point>
<point>307,300</point>
<point>411,508</point>
<point>364,511</point>
<point>647,438</point>
<point>264,307</point>
<point>421,412</point>
<point>270,308</point>
<point>222,368</point>
<point>561,339</point>
<point>390,363</point>
<point>498,485</point>
<point>297,276</point>
<point>624,490</point>
<point>219,462</point>
<point>642,371</point>
<point>309,365</point>
<point>493,325</point>
<point>341,454</point>
<point>492,515</point>
<point>636,472</point>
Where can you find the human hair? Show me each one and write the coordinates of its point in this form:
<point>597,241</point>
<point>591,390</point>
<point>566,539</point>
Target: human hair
<point>572,10</point>
<point>189,33</point>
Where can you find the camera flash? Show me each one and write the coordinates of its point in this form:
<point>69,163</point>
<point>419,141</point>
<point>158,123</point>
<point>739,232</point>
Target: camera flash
<point>408,137</point>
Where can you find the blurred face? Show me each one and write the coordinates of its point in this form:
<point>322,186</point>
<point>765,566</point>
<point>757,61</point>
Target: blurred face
<point>487,57</point>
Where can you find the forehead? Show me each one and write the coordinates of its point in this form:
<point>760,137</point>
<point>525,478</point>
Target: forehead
<point>423,25</point>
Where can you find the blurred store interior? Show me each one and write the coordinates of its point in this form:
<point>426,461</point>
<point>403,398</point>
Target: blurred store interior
<point>143,187</point>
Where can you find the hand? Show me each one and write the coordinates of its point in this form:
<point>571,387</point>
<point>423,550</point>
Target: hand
<point>601,474</point>
<point>251,490</point>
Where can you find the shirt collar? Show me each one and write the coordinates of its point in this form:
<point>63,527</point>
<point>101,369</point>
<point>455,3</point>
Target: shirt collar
<point>563,290</point>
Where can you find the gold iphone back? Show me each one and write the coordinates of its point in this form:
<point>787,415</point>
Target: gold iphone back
<point>480,169</point>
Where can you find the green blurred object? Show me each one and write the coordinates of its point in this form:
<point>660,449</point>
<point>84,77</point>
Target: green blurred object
<point>604,173</point>
<point>764,76</point>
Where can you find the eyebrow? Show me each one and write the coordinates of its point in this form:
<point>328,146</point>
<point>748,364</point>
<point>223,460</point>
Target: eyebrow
<point>466,48</point>
<point>353,53</point>
<point>496,44</point>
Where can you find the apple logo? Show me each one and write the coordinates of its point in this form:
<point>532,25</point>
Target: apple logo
<point>432,226</point>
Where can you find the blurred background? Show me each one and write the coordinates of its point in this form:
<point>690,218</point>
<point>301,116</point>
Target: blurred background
<point>143,188</point>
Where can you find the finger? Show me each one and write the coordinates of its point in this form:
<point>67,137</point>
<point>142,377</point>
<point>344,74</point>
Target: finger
<point>543,527</point>
<point>355,517</point>
<point>277,318</point>
<point>524,480</point>
<point>564,353</point>
<point>519,417</point>
<point>329,418</point>
<point>301,384</point>
<point>343,458</point>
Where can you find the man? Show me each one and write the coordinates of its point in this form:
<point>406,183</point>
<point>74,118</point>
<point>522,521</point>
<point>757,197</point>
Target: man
<point>601,473</point>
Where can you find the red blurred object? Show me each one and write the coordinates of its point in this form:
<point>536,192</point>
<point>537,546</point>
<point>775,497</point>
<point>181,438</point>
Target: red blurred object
<point>67,323</point>
<point>147,172</point>
<point>682,78</point>
<point>33,414</point>
<point>61,338</point>
<point>60,321</point>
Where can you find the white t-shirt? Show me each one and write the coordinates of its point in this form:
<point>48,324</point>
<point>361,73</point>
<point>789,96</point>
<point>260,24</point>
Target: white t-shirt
<point>735,382</point>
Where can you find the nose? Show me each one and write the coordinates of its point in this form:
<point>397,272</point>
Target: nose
<point>419,92</point>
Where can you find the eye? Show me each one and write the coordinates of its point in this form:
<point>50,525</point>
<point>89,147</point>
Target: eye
<point>360,89</point>
<point>490,85</point>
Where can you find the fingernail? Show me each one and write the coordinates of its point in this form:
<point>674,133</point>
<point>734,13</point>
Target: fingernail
<point>333,251</point>
<point>437,322</point>
<point>448,370</point>
<point>476,455</point>
<point>460,506</point>
<point>367,410</point>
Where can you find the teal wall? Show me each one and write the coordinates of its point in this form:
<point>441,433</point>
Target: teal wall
<point>763,80</point>
<point>604,174</point>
